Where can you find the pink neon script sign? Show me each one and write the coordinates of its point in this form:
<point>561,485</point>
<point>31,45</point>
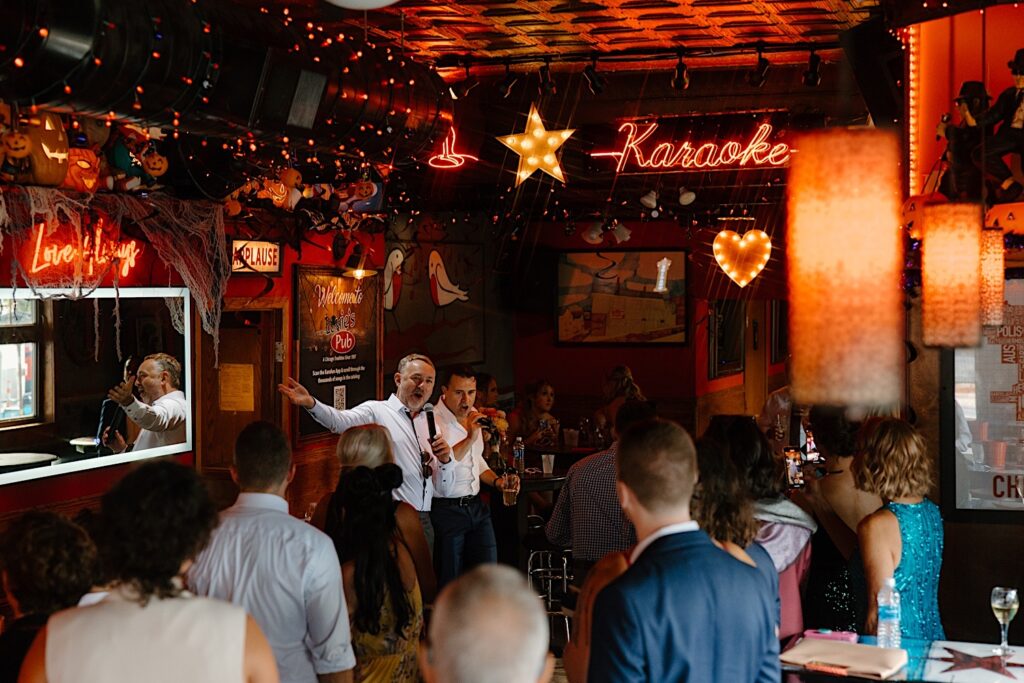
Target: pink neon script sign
<point>680,156</point>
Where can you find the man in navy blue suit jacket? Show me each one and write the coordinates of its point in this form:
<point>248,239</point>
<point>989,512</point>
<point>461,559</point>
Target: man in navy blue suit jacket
<point>685,610</point>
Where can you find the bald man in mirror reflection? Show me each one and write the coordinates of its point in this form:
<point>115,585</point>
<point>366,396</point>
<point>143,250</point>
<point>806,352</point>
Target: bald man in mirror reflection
<point>159,410</point>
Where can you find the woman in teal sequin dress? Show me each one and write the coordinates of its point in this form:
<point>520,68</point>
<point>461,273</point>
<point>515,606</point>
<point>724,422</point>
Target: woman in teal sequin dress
<point>903,539</point>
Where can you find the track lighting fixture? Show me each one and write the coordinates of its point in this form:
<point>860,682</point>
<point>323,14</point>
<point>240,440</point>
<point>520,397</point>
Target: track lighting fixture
<point>812,77</point>
<point>759,74</point>
<point>461,89</point>
<point>681,77</point>
<point>595,81</point>
<point>650,200</point>
<point>505,88</point>
<point>547,85</point>
<point>686,197</point>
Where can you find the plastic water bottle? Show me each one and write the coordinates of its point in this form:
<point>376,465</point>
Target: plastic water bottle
<point>889,615</point>
<point>519,455</point>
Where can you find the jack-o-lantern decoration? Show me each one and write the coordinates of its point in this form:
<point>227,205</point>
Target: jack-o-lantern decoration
<point>17,145</point>
<point>49,149</point>
<point>284,193</point>
<point>15,148</point>
<point>83,170</point>
<point>154,163</point>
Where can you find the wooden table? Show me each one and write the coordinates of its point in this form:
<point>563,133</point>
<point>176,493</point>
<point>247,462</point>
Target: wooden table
<point>943,661</point>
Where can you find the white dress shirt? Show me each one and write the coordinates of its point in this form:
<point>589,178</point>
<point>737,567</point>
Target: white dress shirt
<point>286,574</point>
<point>681,527</point>
<point>163,423</point>
<point>395,417</point>
<point>458,478</point>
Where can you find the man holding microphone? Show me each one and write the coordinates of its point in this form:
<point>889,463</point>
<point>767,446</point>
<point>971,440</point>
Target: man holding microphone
<point>418,444</point>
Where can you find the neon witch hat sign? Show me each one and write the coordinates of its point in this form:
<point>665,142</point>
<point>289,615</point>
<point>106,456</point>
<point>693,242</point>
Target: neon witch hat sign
<point>536,148</point>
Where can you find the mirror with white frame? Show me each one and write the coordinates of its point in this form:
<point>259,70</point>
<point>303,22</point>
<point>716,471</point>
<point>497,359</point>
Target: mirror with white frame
<point>59,358</point>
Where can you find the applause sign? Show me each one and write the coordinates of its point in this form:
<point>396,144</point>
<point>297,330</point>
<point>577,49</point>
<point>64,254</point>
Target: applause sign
<point>339,341</point>
<point>255,256</point>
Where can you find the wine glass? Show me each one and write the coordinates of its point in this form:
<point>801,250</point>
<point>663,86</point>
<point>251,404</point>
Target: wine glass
<point>1004,606</point>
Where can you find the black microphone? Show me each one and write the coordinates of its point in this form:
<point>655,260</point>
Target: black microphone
<point>431,427</point>
<point>485,422</point>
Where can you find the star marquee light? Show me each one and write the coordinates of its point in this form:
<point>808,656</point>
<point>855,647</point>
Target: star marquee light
<point>536,148</point>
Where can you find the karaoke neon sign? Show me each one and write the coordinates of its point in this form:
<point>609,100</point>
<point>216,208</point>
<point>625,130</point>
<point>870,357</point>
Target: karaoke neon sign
<point>639,153</point>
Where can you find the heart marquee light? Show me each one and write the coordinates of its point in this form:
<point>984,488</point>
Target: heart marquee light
<point>742,258</point>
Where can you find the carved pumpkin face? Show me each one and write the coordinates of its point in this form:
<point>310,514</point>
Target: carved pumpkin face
<point>83,170</point>
<point>154,163</point>
<point>49,149</point>
<point>17,145</point>
<point>365,190</point>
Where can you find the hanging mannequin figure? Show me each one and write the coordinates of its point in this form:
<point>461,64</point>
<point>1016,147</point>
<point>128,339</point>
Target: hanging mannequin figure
<point>962,181</point>
<point>1009,109</point>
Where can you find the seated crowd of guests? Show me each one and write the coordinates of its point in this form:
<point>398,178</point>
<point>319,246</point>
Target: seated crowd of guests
<point>678,547</point>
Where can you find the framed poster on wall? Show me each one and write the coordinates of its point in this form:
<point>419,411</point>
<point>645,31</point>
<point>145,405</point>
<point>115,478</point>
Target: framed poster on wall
<point>622,297</point>
<point>982,421</point>
<point>337,321</point>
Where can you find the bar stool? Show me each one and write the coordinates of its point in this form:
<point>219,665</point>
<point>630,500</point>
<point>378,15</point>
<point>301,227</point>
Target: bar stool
<point>546,567</point>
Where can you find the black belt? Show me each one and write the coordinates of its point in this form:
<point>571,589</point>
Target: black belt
<point>461,502</point>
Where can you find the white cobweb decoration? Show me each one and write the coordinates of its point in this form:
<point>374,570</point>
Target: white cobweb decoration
<point>188,236</point>
<point>176,308</point>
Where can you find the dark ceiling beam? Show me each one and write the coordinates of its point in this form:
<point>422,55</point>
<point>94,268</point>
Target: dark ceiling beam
<point>634,54</point>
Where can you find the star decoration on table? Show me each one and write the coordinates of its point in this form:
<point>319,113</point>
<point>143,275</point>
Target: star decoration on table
<point>536,148</point>
<point>962,661</point>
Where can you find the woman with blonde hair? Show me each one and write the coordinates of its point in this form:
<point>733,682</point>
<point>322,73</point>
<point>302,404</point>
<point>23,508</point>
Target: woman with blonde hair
<point>370,446</point>
<point>902,540</point>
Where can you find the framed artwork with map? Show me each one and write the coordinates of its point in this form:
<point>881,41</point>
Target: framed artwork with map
<point>622,297</point>
<point>981,421</point>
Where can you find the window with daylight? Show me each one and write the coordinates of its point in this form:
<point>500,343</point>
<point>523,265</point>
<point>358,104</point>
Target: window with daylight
<point>20,344</point>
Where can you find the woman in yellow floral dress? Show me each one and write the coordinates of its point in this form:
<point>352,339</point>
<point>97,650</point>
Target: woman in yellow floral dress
<point>384,603</point>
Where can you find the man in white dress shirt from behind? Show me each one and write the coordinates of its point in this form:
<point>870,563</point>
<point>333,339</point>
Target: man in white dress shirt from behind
<point>403,417</point>
<point>464,536</point>
<point>283,571</point>
<point>161,408</point>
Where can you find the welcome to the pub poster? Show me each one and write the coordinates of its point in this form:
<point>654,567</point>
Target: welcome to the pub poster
<point>338,339</point>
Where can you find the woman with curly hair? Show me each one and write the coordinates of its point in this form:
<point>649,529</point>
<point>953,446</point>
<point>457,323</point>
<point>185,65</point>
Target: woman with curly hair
<point>902,540</point>
<point>784,529</point>
<point>384,602</point>
<point>726,512</point>
<point>47,563</point>
<point>155,521</point>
